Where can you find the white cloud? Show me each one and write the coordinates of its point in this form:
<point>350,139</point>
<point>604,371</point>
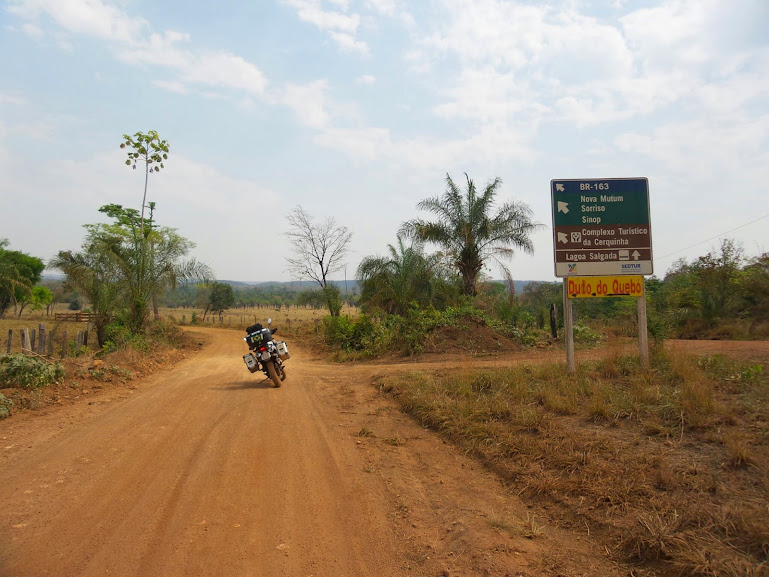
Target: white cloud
<point>172,86</point>
<point>310,11</point>
<point>365,79</point>
<point>348,43</point>
<point>128,37</point>
<point>33,31</point>
<point>308,102</point>
<point>394,9</point>
<point>705,148</point>
<point>489,144</point>
<point>341,27</point>
<point>7,98</point>
<point>207,68</point>
<point>89,17</point>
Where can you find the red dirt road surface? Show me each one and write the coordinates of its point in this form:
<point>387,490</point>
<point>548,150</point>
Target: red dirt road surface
<point>207,470</point>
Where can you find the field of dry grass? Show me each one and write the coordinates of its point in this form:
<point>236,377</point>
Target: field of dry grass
<point>291,321</point>
<point>296,320</point>
<point>31,320</point>
<point>669,467</point>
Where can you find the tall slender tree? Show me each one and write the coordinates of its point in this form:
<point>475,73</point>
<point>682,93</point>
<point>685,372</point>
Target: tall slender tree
<point>150,149</point>
<point>470,231</point>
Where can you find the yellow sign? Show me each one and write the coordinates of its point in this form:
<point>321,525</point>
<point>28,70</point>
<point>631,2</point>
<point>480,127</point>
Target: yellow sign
<point>605,286</point>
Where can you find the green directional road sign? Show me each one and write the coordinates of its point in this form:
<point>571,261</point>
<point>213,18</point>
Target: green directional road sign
<point>601,226</point>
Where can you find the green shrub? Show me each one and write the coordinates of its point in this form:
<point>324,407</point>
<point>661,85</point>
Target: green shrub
<point>376,334</point>
<point>5,406</point>
<point>27,372</point>
<point>584,334</point>
<point>116,336</point>
<point>360,334</point>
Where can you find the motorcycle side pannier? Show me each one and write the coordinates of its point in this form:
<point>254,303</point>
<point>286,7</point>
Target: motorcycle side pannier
<point>251,363</point>
<point>283,350</point>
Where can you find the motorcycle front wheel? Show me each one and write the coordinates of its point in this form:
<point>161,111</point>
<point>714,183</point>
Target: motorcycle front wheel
<point>272,373</point>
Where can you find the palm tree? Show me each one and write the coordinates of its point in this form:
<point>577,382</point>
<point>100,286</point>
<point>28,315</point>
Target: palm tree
<point>122,266</point>
<point>92,274</point>
<point>467,231</point>
<point>393,283</point>
<point>145,272</point>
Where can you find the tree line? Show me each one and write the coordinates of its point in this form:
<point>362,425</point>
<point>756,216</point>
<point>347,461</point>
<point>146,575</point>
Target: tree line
<point>721,291</point>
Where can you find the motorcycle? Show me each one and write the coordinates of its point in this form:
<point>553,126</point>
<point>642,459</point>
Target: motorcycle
<point>266,354</point>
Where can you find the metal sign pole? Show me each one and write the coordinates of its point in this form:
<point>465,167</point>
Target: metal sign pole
<point>643,336</point>
<point>568,327</point>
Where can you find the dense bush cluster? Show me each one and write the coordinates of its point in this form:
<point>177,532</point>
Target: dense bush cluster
<point>378,333</point>
<point>28,372</point>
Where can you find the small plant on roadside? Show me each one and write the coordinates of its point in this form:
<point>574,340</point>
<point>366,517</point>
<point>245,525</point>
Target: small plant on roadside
<point>584,334</point>
<point>365,432</point>
<point>396,441</point>
<point>98,374</point>
<point>5,406</point>
<point>73,350</point>
<point>121,372</point>
<point>530,528</point>
<point>502,524</point>
<point>739,453</point>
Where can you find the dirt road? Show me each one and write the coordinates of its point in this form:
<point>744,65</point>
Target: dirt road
<point>205,470</point>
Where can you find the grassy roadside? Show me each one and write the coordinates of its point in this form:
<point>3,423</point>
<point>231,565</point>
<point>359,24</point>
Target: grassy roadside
<point>668,467</point>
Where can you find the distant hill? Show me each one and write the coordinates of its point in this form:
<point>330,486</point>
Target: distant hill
<point>295,285</point>
<point>352,285</point>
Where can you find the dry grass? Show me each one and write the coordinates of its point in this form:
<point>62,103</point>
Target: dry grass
<point>669,466</point>
<point>292,321</point>
<point>31,320</point>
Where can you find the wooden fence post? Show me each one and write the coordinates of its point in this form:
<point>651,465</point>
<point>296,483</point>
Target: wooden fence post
<point>32,340</point>
<point>10,340</point>
<point>24,340</point>
<point>50,344</point>
<point>41,339</point>
<point>64,344</point>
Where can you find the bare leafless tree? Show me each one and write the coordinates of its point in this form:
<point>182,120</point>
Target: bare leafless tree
<point>319,249</point>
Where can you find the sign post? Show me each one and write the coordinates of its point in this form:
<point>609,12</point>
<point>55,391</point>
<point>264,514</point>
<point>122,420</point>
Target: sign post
<point>602,226</point>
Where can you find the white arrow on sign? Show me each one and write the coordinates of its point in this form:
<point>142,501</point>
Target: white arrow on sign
<point>559,188</point>
<point>563,238</point>
<point>636,254</point>
<point>563,207</point>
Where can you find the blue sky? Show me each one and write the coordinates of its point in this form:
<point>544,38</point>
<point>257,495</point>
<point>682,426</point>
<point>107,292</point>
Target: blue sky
<point>357,109</point>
